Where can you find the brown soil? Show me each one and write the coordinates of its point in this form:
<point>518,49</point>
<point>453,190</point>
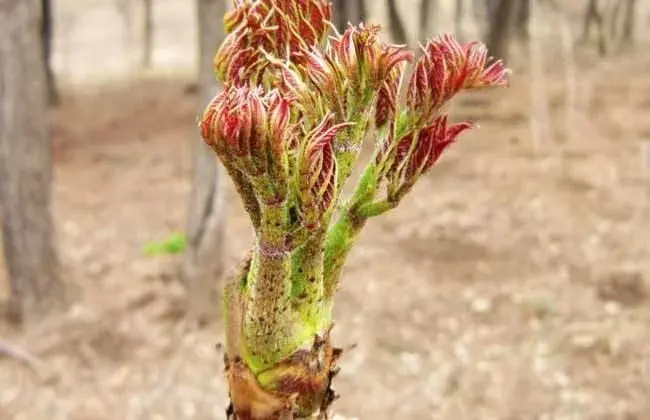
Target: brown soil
<point>512,284</point>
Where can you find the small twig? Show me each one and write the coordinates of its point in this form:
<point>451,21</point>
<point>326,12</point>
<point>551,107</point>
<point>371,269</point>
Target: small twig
<point>13,352</point>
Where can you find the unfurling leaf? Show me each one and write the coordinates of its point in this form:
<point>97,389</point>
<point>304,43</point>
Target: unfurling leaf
<point>387,97</point>
<point>317,171</point>
<point>250,130</point>
<point>262,29</point>
<point>415,153</point>
<point>445,68</point>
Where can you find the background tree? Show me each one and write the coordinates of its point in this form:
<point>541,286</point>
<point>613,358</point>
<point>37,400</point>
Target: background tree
<point>345,11</point>
<point>427,19</point>
<point>592,17</point>
<point>614,22</point>
<point>47,33</point>
<point>26,164</point>
<point>147,34</point>
<point>395,23</point>
<point>629,23</point>
<point>521,18</point>
<point>500,26</point>
<point>203,262</point>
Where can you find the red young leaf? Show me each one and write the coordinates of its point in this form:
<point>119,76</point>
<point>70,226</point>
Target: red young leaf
<point>445,68</point>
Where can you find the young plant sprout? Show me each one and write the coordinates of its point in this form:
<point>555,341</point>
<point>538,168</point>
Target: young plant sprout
<point>295,109</point>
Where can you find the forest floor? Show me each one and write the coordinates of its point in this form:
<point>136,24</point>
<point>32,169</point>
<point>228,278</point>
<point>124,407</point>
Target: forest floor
<point>511,284</point>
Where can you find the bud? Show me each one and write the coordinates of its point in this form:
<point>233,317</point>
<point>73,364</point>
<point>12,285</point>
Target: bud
<point>250,130</point>
<point>280,28</point>
<point>445,68</point>
<point>387,98</point>
<point>365,60</point>
<point>309,104</point>
<point>236,62</point>
<point>278,123</point>
<point>317,171</point>
<point>415,153</point>
<point>347,76</point>
<point>431,142</point>
<point>326,85</point>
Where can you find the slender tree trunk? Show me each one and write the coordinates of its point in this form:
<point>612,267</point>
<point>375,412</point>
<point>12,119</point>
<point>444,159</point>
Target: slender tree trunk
<point>458,19</point>
<point>203,265</point>
<point>428,19</point>
<point>340,18</point>
<point>590,17</point>
<point>147,34</point>
<point>521,18</point>
<point>395,24</point>
<point>353,11</point>
<point>615,16</point>
<point>362,12</point>
<point>26,164</point>
<point>498,39</point>
<point>629,25</point>
<point>593,15</point>
<point>47,29</point>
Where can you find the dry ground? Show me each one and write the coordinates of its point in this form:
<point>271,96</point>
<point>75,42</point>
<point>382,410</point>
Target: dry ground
<point>509,285</point>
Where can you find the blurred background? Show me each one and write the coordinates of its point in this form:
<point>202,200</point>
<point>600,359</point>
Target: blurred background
<point>513,283</point>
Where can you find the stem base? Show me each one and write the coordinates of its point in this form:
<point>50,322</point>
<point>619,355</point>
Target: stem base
<point>298,387</point>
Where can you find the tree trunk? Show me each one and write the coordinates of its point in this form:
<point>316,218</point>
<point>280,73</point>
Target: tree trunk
<point>46,39</point>
<point>395,24</point>
<point>593,15</point>
<point>203,264</point>
<point>521,18</point>
<point>629,25</point>
<point>458,19</point>
<point>340,15</point>
<point>26,164</point>
<point>147,34</point>
<point>361,10</point>
<point>498,39</point>
<point>353,11</point>
<point>428,19</point>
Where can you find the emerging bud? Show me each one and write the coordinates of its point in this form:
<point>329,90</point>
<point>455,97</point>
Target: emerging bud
<point>387,97</point>
<point>324,73</point>
<point>447,67</point>
<point>237,62</point>
<point>308,102</point>
<point>365,60</point>
<point>250,130</point>
<point>431,142</point>
<point>280,28</point>
<point>347,75</point>
<point>317,171</point>
<point>416,152</point>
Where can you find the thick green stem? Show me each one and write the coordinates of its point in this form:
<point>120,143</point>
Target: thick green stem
<point>342,235</point>
<point>268,316</point>
<point>350,142</point>
<point>376,209</point>
<point>307,288</point>
<point>340,239</point>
